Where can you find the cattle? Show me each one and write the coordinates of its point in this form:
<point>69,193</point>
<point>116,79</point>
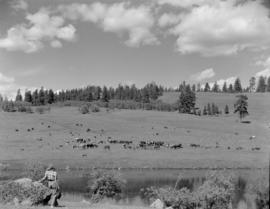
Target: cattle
<point>107,147</point>
<point>255,148</point>
<point>252,137</point>
<point>80,140</point>
<point>84,155</point>
<point>176,146</point>
<point>239,148</point>
<point>194,145</point>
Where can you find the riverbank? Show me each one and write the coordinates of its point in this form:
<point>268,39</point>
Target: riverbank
<point>78,205</point>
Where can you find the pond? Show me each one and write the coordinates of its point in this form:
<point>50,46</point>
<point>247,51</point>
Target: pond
<point>74,182</point>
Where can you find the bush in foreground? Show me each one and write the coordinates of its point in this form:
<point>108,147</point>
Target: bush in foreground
<point>105,184</point>
<point>24,191</point>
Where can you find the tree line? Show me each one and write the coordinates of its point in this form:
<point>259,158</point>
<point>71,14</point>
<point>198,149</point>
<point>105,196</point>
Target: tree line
<point>150,92</point>
<point>263,85</point>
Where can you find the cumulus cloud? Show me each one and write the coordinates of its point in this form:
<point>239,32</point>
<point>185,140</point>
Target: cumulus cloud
<point>41,27</point>
<point>185,3</point>
<point>223,28</point>
<point>264,73</point>
<point>206,74</point>
<point>169,19</point>
<point>19,5</point>
<point>118,18</point>
<point>7,85</point>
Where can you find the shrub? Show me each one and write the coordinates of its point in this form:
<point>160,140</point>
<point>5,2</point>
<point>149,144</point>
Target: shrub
<point>34,170</point>
<point>217,191</point>
<point>8,106</point>
<point>34,193</point>
<point>84,109</point>
<point>94,108</point>
<point>105,184</point>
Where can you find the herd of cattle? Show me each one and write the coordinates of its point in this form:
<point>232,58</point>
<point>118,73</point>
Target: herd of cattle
<point>81,143</point>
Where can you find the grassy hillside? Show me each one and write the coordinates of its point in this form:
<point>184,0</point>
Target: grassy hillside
<point>259,103</point>
<point>50,137</point>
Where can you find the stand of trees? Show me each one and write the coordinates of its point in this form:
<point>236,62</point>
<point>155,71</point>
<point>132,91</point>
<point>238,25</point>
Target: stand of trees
<point>148,93</point>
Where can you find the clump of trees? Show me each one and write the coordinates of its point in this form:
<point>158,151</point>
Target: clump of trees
<point>211,109</point>
<point>187,99</point>
<point>241,106</point>
<point>215,193</point>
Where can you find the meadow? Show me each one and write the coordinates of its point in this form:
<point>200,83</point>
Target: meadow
<point>221,141</point>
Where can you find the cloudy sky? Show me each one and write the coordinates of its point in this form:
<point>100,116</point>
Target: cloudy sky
<point>62,44</point>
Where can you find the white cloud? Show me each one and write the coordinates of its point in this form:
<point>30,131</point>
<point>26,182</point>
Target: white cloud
<point>41,27</point>
<point>7,86</point>
<point>185,3</point>
<point>208,73</point>
<point>19,5</point>
<point>168,19</point>
<point>223,28</point>
<point>118,18</point>
<point>264,73</point>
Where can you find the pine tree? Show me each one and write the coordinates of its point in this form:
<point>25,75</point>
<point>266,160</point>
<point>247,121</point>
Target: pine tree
<point>237,85</point>
<point>198,87</point>
<point>35,97</point>
<point>252,83</point>
<point>230,89</point>
<point>226,110</point>
<point>261,85</point>
<point>18,96</point>
<point>105,94</point>
<point>204,111</point>
<point>41,96</point>
<point>268,85</point>
<point>215,87</point>
<point>194,87</point>
<point>206,87</point>
<point>209,111</point>
<point>241,106</point>
<point>187,100</point>
<point>28,96</point>
<point>224,88</point>
<point>51,98</point>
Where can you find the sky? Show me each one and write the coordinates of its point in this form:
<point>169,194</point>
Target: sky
<point>63,44</point>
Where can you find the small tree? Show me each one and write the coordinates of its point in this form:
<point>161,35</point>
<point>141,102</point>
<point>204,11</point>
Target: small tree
<point>237,85</point>
<point>209,110</point>
<point>204,111</point>
<point>261,85</point>
<point>268,85</point>
<point>206,87</point>
<point>215,87</point>
<point>224,88</point>
<point>18,96</point>
<point>187,100</point>
<point>241,106</point>
<point>226,110</point>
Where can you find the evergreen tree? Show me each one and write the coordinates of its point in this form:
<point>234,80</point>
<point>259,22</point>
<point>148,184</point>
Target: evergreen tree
<point>105,94</point>
<point>206,87</point>
<point>230,89</point>
<point>35,97</point>
<point>41,96</point>
<point>261,85</point>
<point>18,96</point>
<point>241,106</point>
<point>194,87</point>
<point>51,98</point>
<point>187,100</point>
<point>226,110</point>
<point>224,88</point>
<point>204,111</point>
<point>198,87</point>
<point>237,85</point>
<point>252,83</point>
<point>28,96</point>
<point>209,111</point>
<point>215,87</point>
<point>268,85</point>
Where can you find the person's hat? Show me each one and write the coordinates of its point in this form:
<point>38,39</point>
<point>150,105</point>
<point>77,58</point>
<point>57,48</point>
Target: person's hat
<point>50,167</point>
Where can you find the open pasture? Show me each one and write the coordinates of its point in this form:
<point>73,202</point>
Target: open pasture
<point>139,139</point>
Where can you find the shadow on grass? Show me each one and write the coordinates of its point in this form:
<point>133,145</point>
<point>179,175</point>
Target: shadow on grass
<point>246,121</point>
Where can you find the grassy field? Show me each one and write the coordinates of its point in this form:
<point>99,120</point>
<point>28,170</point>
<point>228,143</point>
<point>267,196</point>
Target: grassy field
<point>49,137</point>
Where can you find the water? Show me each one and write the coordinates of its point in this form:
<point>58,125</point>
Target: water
<point>74,182</point>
